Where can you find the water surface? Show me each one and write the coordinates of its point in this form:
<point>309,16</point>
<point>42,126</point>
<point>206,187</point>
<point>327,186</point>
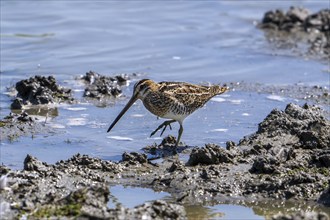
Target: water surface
<point>196,41</point>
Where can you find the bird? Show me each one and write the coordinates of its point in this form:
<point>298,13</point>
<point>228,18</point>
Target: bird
<point>170,100</point>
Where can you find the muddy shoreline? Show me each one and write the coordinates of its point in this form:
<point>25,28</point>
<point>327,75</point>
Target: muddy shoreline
<point>296,27</point>
<point>286,159</point>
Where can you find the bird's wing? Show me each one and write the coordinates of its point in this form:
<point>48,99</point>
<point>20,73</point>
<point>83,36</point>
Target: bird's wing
<point>171,86</point>
<point>190,95</point>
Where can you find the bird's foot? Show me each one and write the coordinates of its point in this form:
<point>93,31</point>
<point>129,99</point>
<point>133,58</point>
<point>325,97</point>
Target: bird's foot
<point>164,124</point>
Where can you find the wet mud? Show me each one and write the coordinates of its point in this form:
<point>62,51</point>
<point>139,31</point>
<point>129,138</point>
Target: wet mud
<point>15,125</point>
<point>43,91</point>
<point>99,86</point>
<point>165,148</point>
<point>301,216</point>
<point>40,90</point>
<point>286,159</point>
<point>299,26</point>
<point>39,95</point>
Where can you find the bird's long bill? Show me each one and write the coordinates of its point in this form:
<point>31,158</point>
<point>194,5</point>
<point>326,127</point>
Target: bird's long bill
<point>128,105</point>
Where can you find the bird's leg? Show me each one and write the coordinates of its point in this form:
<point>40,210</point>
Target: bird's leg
<point>179,136</point>
<point>165,128</point>
<point>164,124</point>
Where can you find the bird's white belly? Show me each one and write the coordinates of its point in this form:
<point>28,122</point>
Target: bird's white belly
<point>177,117</point>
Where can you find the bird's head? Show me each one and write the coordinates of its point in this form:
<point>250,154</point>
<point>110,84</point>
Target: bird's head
<point>142,88</point>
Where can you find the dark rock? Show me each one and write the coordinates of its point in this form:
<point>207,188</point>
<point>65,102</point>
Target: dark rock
<point>320,21</point>
<point>4,170</point>
<point>40,90</point>
<point>121,79</point>
<point>297,18</point>
<point>233,149</point>
<point>325,160</point>
<point>176,166</point>
<point>230,145</point>
<point>24,117</point>
<point>134,158</point>
<point>325,196</point>
<point>264,165</point>
<point>273,18</point>
<point>33,164</point>
<point>298,25</point>
<point>297,14</point>
<point>210,172</point>
<point>210,154</point>
<point>99,86</point>
<point>169,140</point>
<point>285,21</point>
<point>17,103</point>
<point>166,148</point>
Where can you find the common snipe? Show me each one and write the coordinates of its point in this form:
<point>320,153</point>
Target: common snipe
<point>171,100</point>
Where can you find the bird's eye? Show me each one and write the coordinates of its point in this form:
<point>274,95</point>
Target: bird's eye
<point>143,86</point>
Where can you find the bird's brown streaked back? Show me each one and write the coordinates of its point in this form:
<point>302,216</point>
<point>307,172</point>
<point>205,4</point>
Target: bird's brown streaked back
<point>171,100</point>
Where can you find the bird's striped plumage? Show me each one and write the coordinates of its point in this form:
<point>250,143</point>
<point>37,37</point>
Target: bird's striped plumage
<point>178,98</point>
<point>172,100</point>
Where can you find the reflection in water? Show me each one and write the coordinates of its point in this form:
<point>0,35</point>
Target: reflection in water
<point>255,210</point>
<point>202,212</point>
<point>273,207</point>
<point>40,111</point>
<point>131,197</point>
<point>28,35</point>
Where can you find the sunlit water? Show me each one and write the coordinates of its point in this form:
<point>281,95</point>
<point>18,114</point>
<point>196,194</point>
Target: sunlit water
<point>198,42</point>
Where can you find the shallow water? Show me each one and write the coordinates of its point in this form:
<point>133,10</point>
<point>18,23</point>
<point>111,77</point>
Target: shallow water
<point>223,211</point>
<point>123,196</point>
<point>198,42</point>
